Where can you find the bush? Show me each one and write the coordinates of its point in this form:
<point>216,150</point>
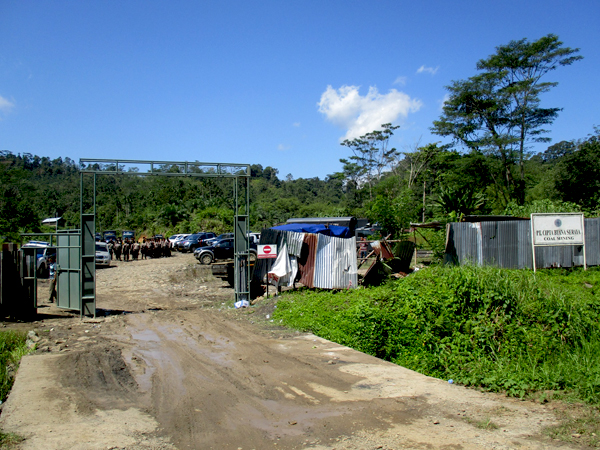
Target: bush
<point>12,348</point>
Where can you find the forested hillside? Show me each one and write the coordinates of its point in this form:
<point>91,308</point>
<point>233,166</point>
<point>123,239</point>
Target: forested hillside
<point>491,121</point>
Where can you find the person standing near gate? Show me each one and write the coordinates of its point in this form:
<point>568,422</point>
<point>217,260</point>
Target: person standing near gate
<point>52,276</point>
<point>126,248</point>
<point>135,250</point>
<point>117,250</point>
<point>110,246</point>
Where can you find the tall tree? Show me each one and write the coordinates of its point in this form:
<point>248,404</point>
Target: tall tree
<point>371,154</point>
<point>499,110</point>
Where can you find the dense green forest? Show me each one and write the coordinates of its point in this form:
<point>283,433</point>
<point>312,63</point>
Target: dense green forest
<point>491,121</point>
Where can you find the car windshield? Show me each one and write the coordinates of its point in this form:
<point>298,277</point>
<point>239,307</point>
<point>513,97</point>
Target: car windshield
<point>101,247</point>
<point>194,236</point>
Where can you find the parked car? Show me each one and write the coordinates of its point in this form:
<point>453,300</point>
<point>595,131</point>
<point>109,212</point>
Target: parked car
<point>194,241</point>
<point>178,237</point>
<point>174,238</point>
<point>218,238</point>
<point>43,252</point>
<point>367,230</point>
<point>102,255</point>
<point>222,249</point>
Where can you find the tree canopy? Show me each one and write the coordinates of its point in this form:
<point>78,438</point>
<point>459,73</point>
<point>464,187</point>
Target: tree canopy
<point>498,111</point>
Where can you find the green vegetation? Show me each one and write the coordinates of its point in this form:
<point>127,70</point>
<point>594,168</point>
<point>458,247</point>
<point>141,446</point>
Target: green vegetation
<point>497,329</point>
<point>9,440</point>
<point>12,348</point>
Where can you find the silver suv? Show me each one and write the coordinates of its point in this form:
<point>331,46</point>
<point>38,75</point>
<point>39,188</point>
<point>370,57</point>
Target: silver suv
<point>42,253</point>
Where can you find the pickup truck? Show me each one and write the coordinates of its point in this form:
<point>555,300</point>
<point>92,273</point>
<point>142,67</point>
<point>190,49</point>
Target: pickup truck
<point>222,249</point>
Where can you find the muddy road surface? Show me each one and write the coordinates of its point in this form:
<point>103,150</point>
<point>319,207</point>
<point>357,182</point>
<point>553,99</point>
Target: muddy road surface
<point>168,364</point>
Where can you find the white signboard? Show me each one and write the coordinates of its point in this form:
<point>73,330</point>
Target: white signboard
<point>266,251</point>
<point>557,229</point>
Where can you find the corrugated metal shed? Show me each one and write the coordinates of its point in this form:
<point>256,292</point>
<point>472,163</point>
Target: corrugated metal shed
<point>508,244</point>
<point>324,261</point>
<point>335,263</point>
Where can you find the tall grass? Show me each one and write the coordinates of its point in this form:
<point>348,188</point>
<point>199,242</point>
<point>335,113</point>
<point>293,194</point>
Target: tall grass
<point>499,329</point>
<point>12,348</point>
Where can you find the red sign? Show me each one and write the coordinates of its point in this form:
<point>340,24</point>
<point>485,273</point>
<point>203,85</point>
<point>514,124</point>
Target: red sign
<point>267,251</point>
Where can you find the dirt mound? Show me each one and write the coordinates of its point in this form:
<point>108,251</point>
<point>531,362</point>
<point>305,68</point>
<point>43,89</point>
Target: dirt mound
<point>100,377</point>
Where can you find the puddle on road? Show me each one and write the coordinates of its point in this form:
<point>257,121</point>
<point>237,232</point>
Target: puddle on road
<point>145,335</point>
<point>160,345</point>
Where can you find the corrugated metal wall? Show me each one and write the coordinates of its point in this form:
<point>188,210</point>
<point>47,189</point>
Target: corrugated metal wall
<point>508,244</point>
<point>335,263</point>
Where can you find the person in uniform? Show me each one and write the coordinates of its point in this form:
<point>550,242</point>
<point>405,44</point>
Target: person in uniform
<point>117,249</point>
<point>151,249</point>
<point>135,250</point>
<point>52,276</point>
<point>110,247</point>
<point>126,248</point>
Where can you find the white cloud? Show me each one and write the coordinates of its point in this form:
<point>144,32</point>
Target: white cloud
<point>431,70</point>
<point>296,124</point>
<point>346,108</point>
<point>5,105</point>
<point>283,148</point>
<point>401,81</point>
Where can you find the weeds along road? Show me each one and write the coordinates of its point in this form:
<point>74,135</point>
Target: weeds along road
<point>168,365</point>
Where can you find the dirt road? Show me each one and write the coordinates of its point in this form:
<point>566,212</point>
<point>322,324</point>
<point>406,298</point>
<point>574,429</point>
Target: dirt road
<point>167,364</point>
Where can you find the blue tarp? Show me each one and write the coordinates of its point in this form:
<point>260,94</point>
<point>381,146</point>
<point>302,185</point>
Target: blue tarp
<point>331,230</point>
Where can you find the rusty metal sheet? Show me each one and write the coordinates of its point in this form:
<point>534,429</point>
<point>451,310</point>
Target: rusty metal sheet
<point>382,248</point>
<point>306,261</point>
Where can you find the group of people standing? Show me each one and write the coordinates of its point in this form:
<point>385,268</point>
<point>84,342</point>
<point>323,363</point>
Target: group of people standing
<point>131,250</point>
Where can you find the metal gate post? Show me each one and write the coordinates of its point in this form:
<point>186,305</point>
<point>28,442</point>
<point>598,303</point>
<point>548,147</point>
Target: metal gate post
<point>241,243</point>
<point>27,307</point>
<point>88,265</point>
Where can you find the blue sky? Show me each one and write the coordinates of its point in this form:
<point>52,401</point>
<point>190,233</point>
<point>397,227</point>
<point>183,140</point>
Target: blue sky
<point>276,83</point>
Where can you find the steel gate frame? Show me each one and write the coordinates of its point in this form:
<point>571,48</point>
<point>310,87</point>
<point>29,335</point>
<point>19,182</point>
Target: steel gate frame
<point>239,173</point>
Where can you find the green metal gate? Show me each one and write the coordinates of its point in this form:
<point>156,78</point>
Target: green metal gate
<point>76,268</point>
<point>68,266</point>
